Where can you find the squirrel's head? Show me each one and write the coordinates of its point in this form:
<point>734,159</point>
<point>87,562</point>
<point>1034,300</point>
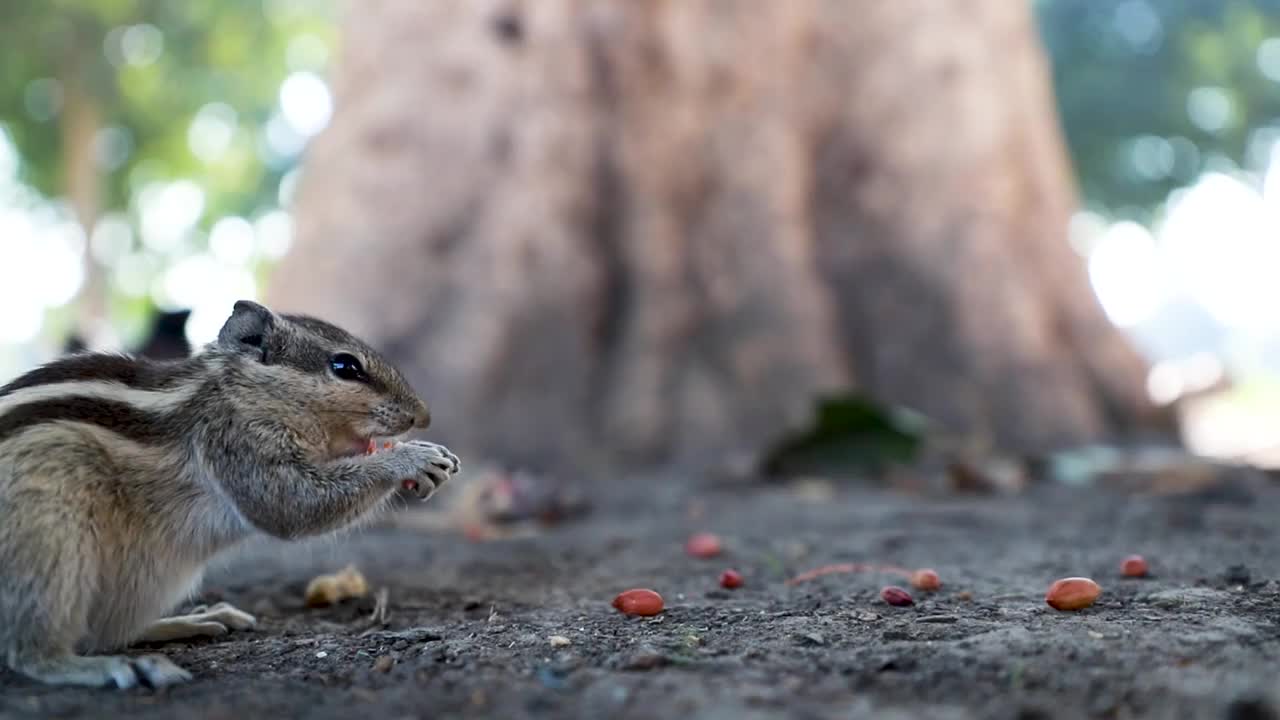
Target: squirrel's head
<point>301,364</point>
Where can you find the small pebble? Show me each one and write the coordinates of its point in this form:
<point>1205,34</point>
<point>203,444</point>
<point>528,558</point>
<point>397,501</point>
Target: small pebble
<point>322,654</point>
<point>383,663</point>
<point>645,658</point>
<point>811,638</point>
<point>1237,575</point>
<point>558,641</point>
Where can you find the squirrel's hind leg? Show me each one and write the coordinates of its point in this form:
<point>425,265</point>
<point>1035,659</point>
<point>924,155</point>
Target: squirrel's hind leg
<point>48,578</point>
<point>200,622</point>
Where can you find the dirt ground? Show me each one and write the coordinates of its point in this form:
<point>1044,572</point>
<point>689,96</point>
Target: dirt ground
<point>468,626</point>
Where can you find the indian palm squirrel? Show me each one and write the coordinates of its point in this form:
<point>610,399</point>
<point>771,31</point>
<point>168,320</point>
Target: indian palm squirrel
<point>121,478</point>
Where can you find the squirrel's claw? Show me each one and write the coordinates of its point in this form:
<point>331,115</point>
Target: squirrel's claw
<point>438,464</point>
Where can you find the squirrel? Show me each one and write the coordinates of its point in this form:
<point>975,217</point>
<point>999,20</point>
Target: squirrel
<point>122,477</point>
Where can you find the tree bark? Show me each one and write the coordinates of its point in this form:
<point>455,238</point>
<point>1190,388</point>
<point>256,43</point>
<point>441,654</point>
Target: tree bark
<point>655,231</point>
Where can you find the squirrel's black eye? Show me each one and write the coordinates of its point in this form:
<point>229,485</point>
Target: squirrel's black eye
<point>347,367</point>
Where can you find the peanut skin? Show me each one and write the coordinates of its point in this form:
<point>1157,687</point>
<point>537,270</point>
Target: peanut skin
<point>925,579</point>
<point>640,601</point>
<point>1134,566</point>
<point>1074,593</point>
<point>896,596</point>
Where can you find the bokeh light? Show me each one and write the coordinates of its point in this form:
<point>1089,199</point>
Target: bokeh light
<point>212,131</point>
<point>305,103</point>
<point>1210,108</point>
<point>168,212</point>
<point>1125,272</point>
<point>43,269</point>
<point>141,45</point>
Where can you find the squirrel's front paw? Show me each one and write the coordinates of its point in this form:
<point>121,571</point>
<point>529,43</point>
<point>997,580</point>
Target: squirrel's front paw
<point>433,466</point>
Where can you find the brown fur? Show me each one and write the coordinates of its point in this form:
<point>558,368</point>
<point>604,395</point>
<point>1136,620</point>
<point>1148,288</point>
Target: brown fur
<point>119,483</point>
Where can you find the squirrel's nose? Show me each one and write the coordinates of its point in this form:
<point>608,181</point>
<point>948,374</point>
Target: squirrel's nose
<point>421,416</point>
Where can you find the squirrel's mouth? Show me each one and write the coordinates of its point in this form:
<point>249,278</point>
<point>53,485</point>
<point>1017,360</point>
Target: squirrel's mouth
<point>365,446</point>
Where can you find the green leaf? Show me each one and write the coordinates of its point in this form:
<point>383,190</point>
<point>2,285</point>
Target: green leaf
<point>849,434</point>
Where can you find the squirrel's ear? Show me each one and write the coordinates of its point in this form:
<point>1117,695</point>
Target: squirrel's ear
<point>247,330</point>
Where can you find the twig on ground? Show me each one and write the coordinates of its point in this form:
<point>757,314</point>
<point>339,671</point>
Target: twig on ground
<point>381,614</point>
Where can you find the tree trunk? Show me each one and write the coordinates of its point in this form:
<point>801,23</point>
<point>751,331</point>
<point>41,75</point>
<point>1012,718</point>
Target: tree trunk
<point>79,122</point>
<point>656,231</point>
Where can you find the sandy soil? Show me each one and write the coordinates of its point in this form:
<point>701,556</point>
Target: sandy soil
<point>468,626</point>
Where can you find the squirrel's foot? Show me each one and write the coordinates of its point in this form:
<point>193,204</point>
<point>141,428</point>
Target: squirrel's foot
<point>437,465</point>
<point>202,621</point>
<point>227,614</point>
<point>106,671</point>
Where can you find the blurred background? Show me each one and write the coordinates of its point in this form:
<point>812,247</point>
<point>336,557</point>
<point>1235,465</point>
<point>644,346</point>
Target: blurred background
<point>151,156</point>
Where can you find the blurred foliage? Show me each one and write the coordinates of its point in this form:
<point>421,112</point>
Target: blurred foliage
<point>848,435</point>
<point>145,69</point>
<point>233,52</point>
<point>1153,92</point>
